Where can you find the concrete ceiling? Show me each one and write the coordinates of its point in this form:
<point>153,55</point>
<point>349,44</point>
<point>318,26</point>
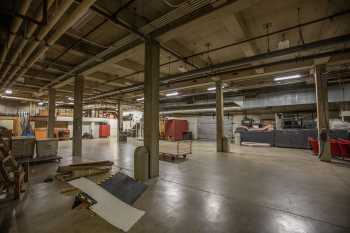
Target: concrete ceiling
<point>215,24</point>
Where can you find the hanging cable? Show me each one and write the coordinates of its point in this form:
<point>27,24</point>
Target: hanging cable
<point>267,27</point>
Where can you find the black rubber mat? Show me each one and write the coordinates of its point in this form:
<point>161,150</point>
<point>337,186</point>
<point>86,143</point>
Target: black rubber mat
<point>124,187</point>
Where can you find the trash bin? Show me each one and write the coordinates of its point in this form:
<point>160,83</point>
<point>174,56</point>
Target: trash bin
<point>23,147</point>
<point>237,138</point>
<point>47,147</point>
<point>226,145</point>
<point>141,163</point>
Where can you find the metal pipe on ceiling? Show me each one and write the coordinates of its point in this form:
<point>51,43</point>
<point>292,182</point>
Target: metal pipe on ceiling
<point>132,40</point>
<point>222,67</point>
<point>59,12</point>
<point>297,26</point>
<point>232,65</point>
<point>66,24</point>
<point>19,98</point>
<point>198,110</point>
<point>114,19</point>
<point>28,34</point>
<point>16,24</point>
<point>329,17</point>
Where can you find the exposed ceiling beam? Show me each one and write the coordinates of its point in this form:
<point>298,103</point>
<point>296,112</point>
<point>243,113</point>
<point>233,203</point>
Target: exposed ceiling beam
<point>157,26</point>
<point>230,66</point>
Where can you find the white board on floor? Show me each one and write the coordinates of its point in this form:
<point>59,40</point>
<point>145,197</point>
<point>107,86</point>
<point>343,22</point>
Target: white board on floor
<point>110,208</point>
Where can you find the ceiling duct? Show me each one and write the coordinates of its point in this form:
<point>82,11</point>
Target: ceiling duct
<point>14,29</point>
<point>66,24</point>
<point>29,33</point>
<point>39,37</point>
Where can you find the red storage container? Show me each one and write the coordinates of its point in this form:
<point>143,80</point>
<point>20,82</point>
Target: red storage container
<point>175,129</point>
<point>105,131</point>
<point>314,145</point>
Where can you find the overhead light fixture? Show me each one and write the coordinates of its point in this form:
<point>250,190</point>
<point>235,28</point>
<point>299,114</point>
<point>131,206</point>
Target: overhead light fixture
<point>8,91</point>
<point>211,88</point>
<point>41,103</point>
<point>182,69</point>
<point>140,99</point>
<point>287,77</point>
<point>70,98</point>
<point>172,94</point>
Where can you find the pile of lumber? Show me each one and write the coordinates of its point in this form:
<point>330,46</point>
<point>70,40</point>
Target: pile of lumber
<point>74,171</point>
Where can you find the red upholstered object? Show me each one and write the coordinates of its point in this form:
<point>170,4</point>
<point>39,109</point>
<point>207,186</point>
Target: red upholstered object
<point>174,129</point>
<point>105,131</point>
<point>335,149</point>
<point>344,146</point>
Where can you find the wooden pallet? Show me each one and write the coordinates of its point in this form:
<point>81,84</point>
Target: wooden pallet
<point>176,150</point>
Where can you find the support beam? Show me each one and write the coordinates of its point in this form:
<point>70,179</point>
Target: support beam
<point>322,113</point>
<point>151,105</point>
<point>120,120</point>
<point>52,113</point>
<point>219,117</point>
<point>78,115</point>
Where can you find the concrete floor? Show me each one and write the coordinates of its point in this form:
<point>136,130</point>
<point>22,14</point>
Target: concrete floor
<point>250,190</point>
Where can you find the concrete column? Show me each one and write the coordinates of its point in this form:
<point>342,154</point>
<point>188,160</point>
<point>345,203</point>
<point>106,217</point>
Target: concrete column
<point>219,117</point>
<point>52,113</point>
<point>78,115</point>
<point>120,120</point>
<point>151,105</point>
<point>322,113</point>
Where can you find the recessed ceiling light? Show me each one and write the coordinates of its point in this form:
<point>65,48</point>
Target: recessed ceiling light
<point>172,94</point>
<point>211,88</point>
<point>182,69</point>
<point>287,77</point>
<point>8,91</point>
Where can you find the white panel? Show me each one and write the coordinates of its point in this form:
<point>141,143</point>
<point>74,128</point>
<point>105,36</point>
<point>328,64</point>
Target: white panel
<point>207,127</point>
<point>113,123</point>
<point>110,208</point>
<point>8,124</point>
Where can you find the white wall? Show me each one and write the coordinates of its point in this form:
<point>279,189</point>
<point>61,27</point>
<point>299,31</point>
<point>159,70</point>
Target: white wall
<point>91,125</point>
<point>113,123</point>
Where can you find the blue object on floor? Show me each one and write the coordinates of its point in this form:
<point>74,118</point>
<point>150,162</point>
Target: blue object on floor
<point>124,187</point>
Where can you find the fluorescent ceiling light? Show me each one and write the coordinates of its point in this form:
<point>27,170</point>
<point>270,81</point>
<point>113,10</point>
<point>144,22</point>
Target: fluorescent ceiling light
<point>8,91</point>
<point>140,99</point>
<point>287,77</point>
<point>211,88</point>
<point>182,69</point>
<point>41,103</point>
<point>70,98</point>
<point>172,94</point>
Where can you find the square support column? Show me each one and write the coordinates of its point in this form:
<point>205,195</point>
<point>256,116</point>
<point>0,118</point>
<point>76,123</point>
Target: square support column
<point>52,113</point>
<point>78,115</point>
<point>219,117</point>
<point>151,105</point>
<point>120,120</point>
<point>322,113</point>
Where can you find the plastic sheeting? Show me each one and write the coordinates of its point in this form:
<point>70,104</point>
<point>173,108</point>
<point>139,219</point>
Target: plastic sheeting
<point>110,208</point>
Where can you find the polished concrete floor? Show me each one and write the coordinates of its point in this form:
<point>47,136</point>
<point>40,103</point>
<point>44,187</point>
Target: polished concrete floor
<point>248,190</point>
